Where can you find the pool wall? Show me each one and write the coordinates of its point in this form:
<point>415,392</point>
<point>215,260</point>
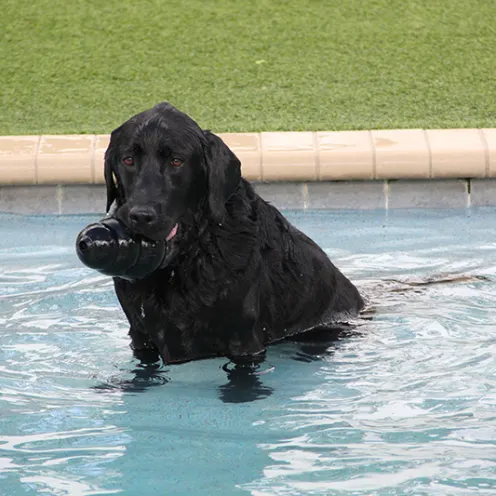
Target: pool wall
<point>376,169</point>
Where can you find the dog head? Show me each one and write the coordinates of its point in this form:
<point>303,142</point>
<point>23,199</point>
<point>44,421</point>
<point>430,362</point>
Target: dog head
<point>160,165</point>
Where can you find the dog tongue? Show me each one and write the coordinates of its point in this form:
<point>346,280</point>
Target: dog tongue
<point>172,233</point>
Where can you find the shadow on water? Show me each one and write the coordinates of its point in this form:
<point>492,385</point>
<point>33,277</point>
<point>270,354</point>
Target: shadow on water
<point>319,343</point>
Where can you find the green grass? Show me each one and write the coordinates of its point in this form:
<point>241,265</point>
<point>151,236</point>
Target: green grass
<point>84,66</point>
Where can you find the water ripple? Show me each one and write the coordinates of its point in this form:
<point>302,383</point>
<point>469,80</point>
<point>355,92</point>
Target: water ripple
<point>405,404</point>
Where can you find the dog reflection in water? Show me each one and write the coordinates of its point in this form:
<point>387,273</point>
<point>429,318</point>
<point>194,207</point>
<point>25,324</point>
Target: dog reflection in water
<point>245,376</point>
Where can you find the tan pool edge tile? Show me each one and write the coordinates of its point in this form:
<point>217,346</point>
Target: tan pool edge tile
<point>276,156</point>
<point>288,156</point>
<point>97,162</point>
<point>345,155</point>
<point>65,159</point>
<point>489,137</point>
<point>18,159</point>
<point>247,147</point>
<point>401,153</point>
<point>456,153</point>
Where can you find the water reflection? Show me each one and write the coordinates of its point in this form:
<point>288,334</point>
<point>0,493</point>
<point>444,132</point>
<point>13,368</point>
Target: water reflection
<point>245,376</point>
<point>144,376</point>
<point>245,379</point>
<point>245,382</point>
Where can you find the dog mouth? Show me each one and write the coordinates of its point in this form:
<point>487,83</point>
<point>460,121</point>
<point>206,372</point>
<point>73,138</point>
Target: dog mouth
<point>172,247</point>
<point>172,233</point>
<point>158,235</point>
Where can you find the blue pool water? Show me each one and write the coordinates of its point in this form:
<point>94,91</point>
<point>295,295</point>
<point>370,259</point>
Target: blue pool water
<point>406,406</point>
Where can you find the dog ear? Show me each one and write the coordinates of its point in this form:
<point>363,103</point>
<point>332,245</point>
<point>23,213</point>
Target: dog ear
<point>108,172</point>
<point>224,174</point>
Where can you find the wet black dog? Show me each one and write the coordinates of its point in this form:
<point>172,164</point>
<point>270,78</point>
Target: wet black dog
<point>240,277</point>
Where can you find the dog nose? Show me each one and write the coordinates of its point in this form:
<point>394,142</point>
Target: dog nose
<point>142,216</point>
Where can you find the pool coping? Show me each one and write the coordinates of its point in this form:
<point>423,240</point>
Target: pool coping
<point>368,155</point>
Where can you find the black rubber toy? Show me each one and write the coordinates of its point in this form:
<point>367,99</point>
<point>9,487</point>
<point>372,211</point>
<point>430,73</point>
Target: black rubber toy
<point>110,248</point>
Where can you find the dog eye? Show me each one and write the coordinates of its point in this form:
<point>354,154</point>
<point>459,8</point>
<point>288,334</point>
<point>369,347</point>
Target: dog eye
<point>128,161</point>
<point>176,162</point>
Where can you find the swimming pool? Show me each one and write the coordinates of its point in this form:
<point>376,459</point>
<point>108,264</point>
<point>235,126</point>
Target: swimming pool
<point>407,405</point>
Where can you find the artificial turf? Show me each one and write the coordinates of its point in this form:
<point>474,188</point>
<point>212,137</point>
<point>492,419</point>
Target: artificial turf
<point>84,66</point>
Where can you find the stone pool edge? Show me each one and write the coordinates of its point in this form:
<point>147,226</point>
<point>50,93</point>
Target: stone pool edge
<point>303,170</point>
<point>276,156</point>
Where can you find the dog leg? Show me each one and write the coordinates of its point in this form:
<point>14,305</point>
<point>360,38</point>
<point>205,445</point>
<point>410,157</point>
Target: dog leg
<point>143,348</point>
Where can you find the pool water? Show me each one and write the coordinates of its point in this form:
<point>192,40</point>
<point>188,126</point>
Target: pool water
<point>406,405</point>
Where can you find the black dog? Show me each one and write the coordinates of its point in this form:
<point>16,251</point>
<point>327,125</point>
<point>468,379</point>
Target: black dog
<point>240,275</point>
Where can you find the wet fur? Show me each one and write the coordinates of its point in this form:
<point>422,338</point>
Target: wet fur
<point>241,276</point>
